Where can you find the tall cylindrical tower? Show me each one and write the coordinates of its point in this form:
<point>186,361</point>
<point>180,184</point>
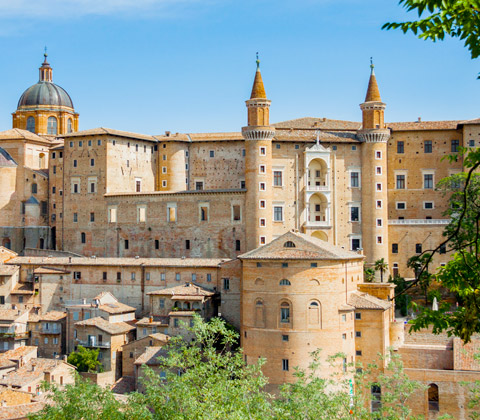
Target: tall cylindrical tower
<point>374,175</point>
<point>258,166</point>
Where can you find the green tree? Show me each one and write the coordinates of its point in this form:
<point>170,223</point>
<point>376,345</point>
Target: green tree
<point>441,18</point>
<point>368,274</point>
<point>419,264</point>
<point>382,266</point>
<point>85,401</point>
<point>86,360</point>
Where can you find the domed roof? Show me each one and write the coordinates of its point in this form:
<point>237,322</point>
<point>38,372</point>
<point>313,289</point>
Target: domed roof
<point>45,93</point>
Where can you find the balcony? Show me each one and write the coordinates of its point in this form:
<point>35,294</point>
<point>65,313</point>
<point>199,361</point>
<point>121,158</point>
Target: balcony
<point>318,188</point>
<point>419,221</point>
<point>57,330</point>
<point>93,344</point>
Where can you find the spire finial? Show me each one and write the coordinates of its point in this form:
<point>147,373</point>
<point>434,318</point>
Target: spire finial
<point>372,66</point>
<point>258,62</point>
<point>45,54</point>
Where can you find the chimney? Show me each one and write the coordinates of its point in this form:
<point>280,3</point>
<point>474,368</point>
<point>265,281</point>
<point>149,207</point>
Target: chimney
<point>34,366</point>
<point>167,133</point>
<point>419,119</point>
<point>69,260</point>
<point>150,319</point>
<point>65,358</point>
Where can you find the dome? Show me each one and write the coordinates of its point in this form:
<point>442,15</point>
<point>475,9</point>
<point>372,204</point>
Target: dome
<point>45,93</point>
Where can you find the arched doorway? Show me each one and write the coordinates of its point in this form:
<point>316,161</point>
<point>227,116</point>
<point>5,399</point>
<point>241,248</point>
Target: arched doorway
<point>317,175</point>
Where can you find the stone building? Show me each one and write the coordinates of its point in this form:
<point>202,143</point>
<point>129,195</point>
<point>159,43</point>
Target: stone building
<point>273,223</point>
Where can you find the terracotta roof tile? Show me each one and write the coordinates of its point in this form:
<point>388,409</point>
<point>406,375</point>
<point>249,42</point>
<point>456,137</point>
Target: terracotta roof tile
<point>11,356</point>
<point>10,314</point>
<point>24,374</point>
<point>423,125</point>
<point>113,328</point>
<point>366,301</point>
<point>6,160</point>
<point>8,270</point>
<point>100,131</point>
<point>116,308</point>
<point>151,355</point>
<point>20,411</point>
<point>154,321</point>
<point>53,316</point>
<point>319,124</point>
<point>185,290</point>
<point>150,262</point>
<point>306,247</point>
<point>18,134</point>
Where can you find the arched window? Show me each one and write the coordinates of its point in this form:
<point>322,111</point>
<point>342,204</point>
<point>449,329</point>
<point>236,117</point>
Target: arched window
<point>34,188</point>
<point>259,282</point>
<point>52,125</point>
<point>289,244</point>
<point>285,282</point>
<point>41,161</point>
<point>83,237</point>
<point>433,401</point>
<point>376,392</point>
<point>259,314</point>
<point>314,313</point>
<point>69,126</point>
<point>285,312</point>
<point>31,124</point>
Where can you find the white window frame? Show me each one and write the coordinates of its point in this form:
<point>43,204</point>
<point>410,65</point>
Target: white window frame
<point>262,240</point>
<point>262,151</point>
<point>380,157</point>
<point>75,181</point>
<point>431,208</point>
<point>354,204</point>
<point>399,202</point>
<point>200,205</point>
<point>260,222</point>
<point>92,180</point>
<point>264,169</point>
<point>164,169</point>
<point>350,177</point>
<point>352,237</point>
<point>379,237</point>
<point>282,206</point>
<point>260,204</point>
<point>377,172</point>
<point>381,204</point>
<point>282,171</point>
<point>262,184</point>
<point>381,222</point>
<point>164,184</point>
<point>376,187</point>
<point>405,173</point>
<point>428,172</point>
<point>233,213</point>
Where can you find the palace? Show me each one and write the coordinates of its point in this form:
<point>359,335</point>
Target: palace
<point>269,226</point>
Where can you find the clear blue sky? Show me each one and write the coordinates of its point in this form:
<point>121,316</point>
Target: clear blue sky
<point>188,65</point>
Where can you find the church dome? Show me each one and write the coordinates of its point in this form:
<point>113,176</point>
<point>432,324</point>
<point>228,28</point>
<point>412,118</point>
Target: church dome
<point>45,93</point>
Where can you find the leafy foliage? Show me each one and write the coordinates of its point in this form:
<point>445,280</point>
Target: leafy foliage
<point>440,18</point>
<point>382,266</point>
<point>86,360</point>
<point>206,380</point>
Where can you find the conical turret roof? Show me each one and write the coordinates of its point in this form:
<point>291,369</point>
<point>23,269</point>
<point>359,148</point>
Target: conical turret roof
<point>373,93</point>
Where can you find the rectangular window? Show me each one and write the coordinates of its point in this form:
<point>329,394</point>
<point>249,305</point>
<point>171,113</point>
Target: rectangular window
<point>443,249</point>
<point>428,181</point>
<point>354,214</point>
<point>428,205</point>
<point>277,213</point>
<point>262,204</point>
<point>263,151</point>
<point>77,275</point>
<point>277,178</point>
<point>54,169</point>
<point>358,315</point>
<point>187,244</point>
<point>92,217</point>
<point>379,204</point>
<point>164,169</point>
<point>262,169</point>
<point>454,146</point>
<point>394,248</point>
<point>263,240</point>
<point>358,334</point>
<point>358,352</point>
<point>379,222</point>
<point>54,189</point>
<point>112,215</point>
<point>427,146</point>
<point>126,243</point>
<point>355,244</point>
<point>226,283</point>
<point>236,212</point>
<point>177,277</point>
<point>104,275</point>
<point>119,276</point>
<point>74,163</point>
<point>212,153</point>
<point>262,222</point>
<point>471,143</point>
<point>285,365</point>
<point>418,248</point>
<point>284,337</point>
<point>75,217</point>
<point>147,276</point>
<point>132,275</point>
<point>157,244</point>
<point>171,212</point>
<point>400,184</point>
<point>199,185</point>
<point>313,265</point>
<point>262,186</point>
<point>92,162</point>
<point>401,205</point>
<point>209,277</point>
<point>379,240</point>
<point>138,185</point>
<point>354,179</point>
<point>141,214</point>
<point>400,147</point>
<point>194,277</point>
<point>204,213</point>
<point>379,186</point>
<point>378,154</point>
<point>161,303</point>
<point>378,170</point>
